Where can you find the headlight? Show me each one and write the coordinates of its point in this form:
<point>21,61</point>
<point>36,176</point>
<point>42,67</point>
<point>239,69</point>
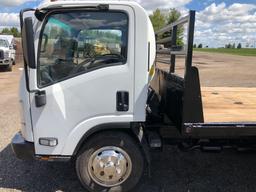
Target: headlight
<point>6,54</point>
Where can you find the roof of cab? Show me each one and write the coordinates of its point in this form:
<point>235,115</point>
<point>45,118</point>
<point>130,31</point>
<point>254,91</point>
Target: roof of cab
<point>68,3</point>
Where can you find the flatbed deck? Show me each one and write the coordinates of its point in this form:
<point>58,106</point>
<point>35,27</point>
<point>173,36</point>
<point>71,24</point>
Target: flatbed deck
<point>228,85</point>
<point>229,104</point>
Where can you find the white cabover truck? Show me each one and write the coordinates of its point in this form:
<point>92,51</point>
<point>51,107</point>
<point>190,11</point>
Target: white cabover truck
<point>90,92</point>
<point>5,54</point>
<point>12,46</point>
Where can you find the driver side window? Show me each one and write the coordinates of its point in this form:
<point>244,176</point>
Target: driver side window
<point>73,43</point>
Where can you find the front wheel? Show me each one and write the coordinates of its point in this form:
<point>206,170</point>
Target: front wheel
<point>110,161</point>
<point>9,67</point>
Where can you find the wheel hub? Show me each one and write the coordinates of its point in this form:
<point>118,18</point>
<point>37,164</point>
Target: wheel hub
<point>109,166</point>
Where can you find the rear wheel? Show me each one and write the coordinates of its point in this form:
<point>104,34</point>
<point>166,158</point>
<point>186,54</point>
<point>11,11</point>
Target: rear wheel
<point>110,161</point>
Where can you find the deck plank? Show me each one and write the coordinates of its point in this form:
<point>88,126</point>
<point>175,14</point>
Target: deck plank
<point>229,104</point>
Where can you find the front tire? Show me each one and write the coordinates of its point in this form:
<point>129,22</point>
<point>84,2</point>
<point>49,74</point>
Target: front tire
<point>9,67</point>
<point>110,161</point>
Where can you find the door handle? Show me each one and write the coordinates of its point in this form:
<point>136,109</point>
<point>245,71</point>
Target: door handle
<point>40,98</point>
<point>122,101</point>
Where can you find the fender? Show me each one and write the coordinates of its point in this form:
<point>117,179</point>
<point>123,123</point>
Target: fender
<point>89,126</point>
<point>99,128</point>
<point>133,129</point>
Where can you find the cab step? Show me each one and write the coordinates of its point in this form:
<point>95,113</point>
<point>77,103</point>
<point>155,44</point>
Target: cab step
<point>209,148</point>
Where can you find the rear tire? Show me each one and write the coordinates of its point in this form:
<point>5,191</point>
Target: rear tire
<point>110,161</point>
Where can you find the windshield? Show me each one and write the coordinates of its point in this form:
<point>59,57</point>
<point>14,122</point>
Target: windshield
<point>3,43</point>
<point>80,41</point>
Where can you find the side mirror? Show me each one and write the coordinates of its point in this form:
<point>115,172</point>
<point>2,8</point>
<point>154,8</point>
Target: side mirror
<point>14,46</point>
<point>28,43</point>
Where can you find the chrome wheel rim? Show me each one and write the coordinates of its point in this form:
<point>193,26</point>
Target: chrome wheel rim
<point>109,166</point>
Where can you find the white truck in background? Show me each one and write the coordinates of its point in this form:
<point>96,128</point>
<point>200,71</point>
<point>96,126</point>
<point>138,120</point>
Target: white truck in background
<point>12,46</point>
<point>101,101</point>
<point>5,54</point>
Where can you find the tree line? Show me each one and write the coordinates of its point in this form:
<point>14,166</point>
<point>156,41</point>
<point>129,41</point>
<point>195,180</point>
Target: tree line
<point>10,31</point>
<point>233,46</point>
<point>227,46</point>
<point>161,18</point>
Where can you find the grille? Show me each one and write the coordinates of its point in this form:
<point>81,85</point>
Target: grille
<point>1,54</point>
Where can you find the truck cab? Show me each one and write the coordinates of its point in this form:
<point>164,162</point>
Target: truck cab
<point>90,91</point>
<point>86,74</point>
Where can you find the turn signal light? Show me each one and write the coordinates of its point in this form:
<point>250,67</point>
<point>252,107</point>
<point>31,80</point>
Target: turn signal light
<point>51,142</point>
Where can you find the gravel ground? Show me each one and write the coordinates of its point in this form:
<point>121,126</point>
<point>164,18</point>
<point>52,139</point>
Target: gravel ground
<point>172,170</point>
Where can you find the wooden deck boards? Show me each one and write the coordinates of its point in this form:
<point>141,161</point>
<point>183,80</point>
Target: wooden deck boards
<point>229,104</point>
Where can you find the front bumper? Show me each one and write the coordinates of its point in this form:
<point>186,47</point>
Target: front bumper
<point>23,149</point>
<point>5,61</point>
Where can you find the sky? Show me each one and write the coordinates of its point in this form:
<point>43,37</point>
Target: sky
<point>218,22</point>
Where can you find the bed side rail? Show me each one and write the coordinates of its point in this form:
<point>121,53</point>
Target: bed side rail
<point>174,49</point>
<point>192,109</point>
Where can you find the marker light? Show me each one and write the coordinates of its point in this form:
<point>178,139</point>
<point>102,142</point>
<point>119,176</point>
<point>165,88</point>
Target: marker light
<point>51,142</point>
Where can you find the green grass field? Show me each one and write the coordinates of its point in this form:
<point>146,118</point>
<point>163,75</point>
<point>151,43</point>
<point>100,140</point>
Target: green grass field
<point>242,52</point>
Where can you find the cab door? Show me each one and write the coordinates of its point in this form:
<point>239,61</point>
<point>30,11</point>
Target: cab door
<point>84,76</point>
